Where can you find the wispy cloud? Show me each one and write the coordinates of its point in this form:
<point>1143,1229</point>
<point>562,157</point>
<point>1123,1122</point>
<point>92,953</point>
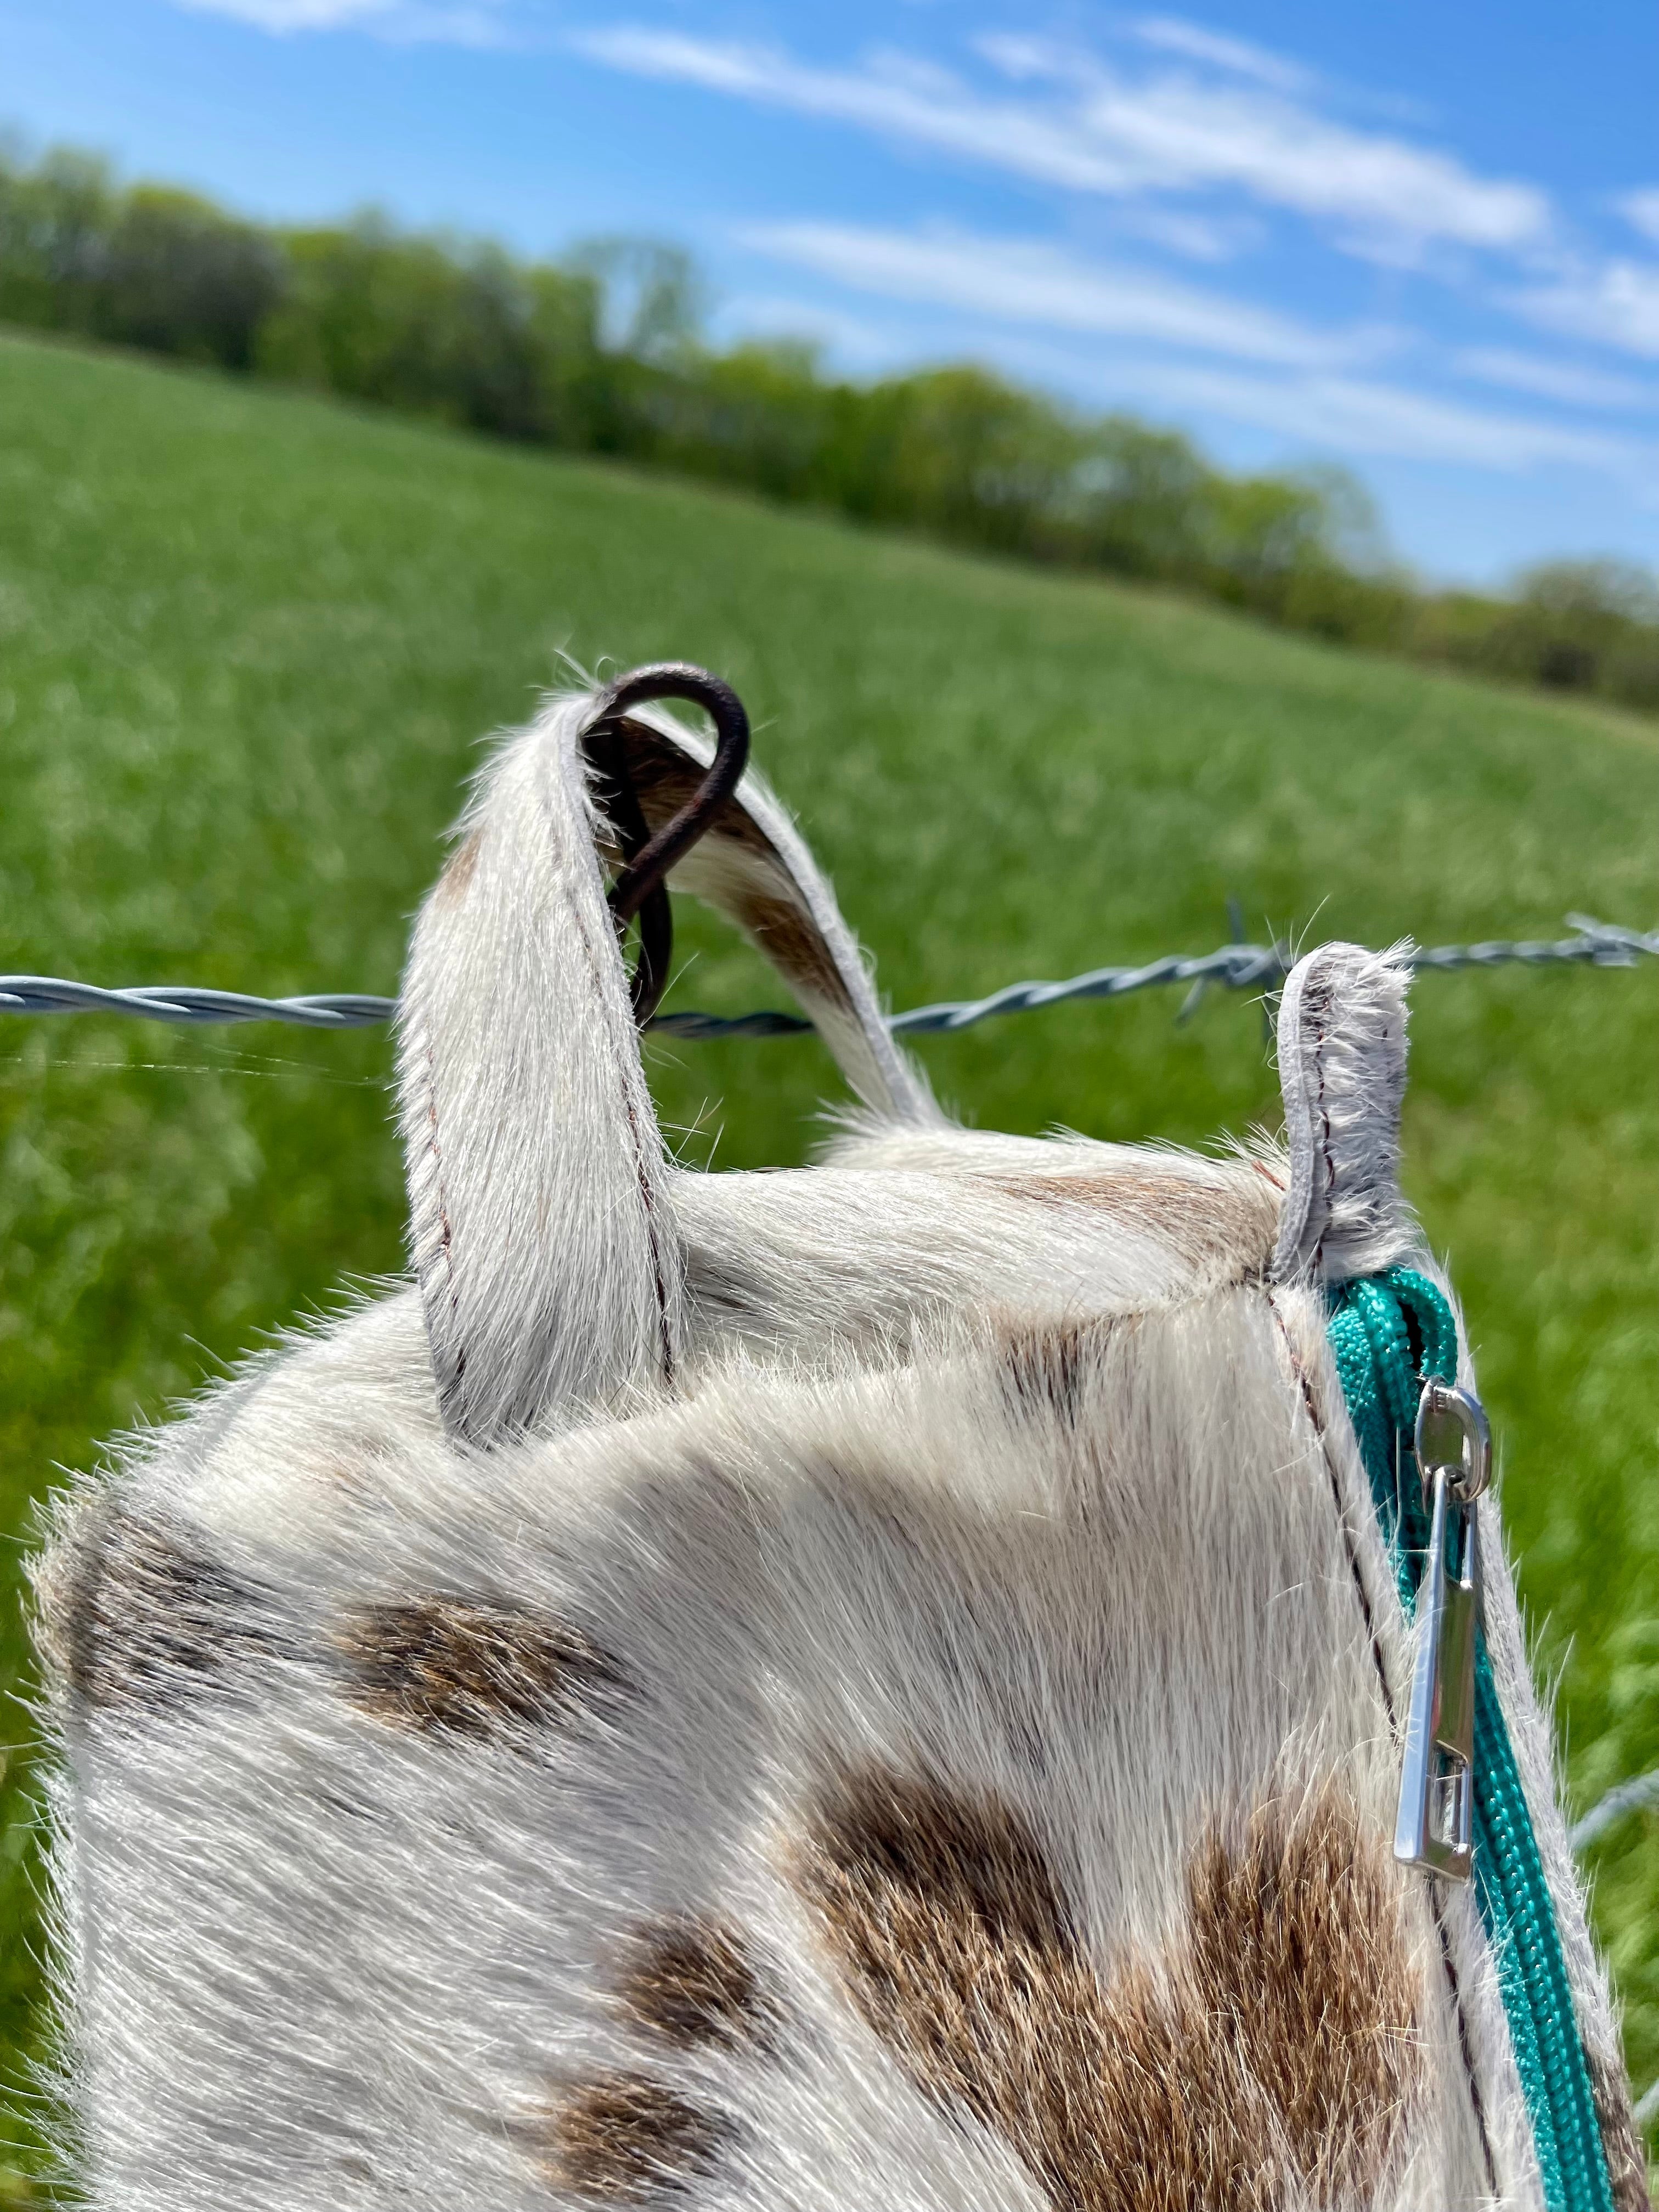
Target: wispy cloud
<point>1641,210</point>
<point>893,100</point>
<point>1005,288</point>
<point>1362,418</point>
<point>294,14</point>
<point>1021,281</point>
<point>1566,381</point>
<point>466,23</point>
<point>1173,34</point>
<point>1182,133</point>
<point>1076,122</point>
<point>1366,417</point>
<point>1195,237</point>
<point>1615,304</point>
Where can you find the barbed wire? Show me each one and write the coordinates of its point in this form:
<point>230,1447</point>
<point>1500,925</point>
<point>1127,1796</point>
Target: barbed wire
<point>1641,1795</point>
<point>1232,967</point>
<point>166,1002</point>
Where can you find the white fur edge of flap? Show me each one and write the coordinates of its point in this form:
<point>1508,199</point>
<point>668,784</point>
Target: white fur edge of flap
<point>541,1227</point>
<point>1342,1071</point>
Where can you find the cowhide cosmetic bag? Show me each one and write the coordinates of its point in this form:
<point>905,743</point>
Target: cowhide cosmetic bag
<point>936,1680</point>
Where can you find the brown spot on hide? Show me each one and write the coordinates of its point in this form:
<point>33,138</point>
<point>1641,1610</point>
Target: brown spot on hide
<point>623,2139</point>
<point>691,1981</point>
<point>755,887</point>
<point>1230,1218</point>
<point>136,1611</point>
<point>905,1841</point>
<point>1045,1364</point>
<point>1303,1978</point>
<point>451,887</point>
<point>793,942</point>
<point>443,1667</point>
<point>1269,2055</point>
<point>1627,2165</point>
<point>664,780</point>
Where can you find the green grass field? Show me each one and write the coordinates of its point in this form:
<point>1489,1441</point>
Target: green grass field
<point>247,644</point>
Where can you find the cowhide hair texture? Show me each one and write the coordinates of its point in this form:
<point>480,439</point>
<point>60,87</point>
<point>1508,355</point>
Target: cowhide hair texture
<point>870,1688</point>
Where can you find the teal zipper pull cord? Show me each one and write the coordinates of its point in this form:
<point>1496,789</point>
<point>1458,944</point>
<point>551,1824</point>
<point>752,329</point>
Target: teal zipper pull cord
<point>1389,1335</point>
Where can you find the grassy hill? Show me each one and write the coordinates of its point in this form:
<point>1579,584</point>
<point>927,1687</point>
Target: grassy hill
<point>248,643</point>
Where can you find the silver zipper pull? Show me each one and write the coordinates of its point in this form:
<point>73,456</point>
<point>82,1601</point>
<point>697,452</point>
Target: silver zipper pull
<point>1435,1829</point>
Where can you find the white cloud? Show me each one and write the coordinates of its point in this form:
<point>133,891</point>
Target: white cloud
<point>1574,386</point>
<point>1091,129</point>
<point>449,22</point>
<point>294,14</point>
<point>1187,134</point>
<point>1195,237</point>
<point>1361,418</point>
<point>1004,288</point>
<point>1366,417</point>
<point>1005,134</point>
<point>1024,281</point>
<point>1616,305</point>
<point>1641,210</point>
<point>1172,34</point>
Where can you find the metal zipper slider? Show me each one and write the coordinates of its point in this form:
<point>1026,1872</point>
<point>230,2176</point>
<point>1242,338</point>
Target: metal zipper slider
<point>1435,1829</point>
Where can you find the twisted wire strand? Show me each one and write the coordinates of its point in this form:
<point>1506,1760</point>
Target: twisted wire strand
<point>164,1002</point>
<point>1233,967</point>
<point>1641,1795</point>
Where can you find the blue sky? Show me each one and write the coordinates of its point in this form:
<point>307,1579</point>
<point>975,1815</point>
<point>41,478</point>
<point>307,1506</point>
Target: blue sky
<point>1422,241</point>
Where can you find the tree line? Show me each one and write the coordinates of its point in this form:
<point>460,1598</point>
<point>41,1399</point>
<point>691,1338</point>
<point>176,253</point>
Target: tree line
<point>604,353</point>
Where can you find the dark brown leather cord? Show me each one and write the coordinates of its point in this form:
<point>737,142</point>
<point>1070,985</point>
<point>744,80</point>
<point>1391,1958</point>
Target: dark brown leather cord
<point>641,887</point>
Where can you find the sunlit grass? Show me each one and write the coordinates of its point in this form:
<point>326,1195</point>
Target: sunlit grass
<point>246,645</point>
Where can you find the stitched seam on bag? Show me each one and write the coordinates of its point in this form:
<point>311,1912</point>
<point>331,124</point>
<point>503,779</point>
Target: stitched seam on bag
<point>1327,1151</point>
<point>1350,1547</point>
<point>445,1241</point>
<point>1464,2042</point>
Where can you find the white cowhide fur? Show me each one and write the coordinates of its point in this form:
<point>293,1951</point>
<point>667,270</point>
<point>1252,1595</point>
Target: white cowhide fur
<point>871,1687</point>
